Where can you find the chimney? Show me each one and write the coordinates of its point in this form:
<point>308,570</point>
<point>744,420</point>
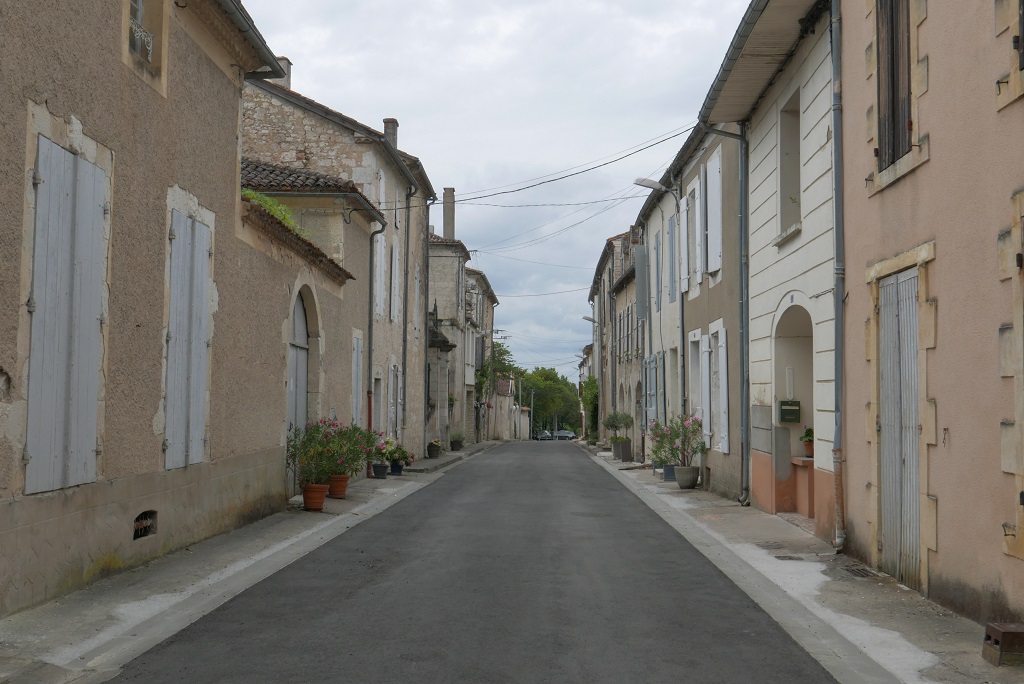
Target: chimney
<point>449,213</point>
<point>391,131</point>
<point>286,81</point>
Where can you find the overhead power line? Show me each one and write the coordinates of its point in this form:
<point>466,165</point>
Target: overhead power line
<point>542,294</point>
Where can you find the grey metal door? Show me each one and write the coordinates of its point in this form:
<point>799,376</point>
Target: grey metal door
<point>899,428</point>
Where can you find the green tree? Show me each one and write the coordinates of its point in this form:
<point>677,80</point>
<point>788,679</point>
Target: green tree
<point>498,364</point>
<point>590,402</point>
<point>554,397</point>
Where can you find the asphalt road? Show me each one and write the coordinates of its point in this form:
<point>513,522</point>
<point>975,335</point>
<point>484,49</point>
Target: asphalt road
<point>528,563</point>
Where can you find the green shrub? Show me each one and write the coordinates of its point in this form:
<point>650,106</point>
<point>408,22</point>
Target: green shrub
<point>275,209</point>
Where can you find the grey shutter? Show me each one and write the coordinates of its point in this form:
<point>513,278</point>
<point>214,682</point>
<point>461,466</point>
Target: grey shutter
<point>198,339</point>
<point>684,244</point>
<point>714,204</point>
<point>66,338</point>
<point>702,226</point>
<point>176,402</point>
<point>660,371</point>
<point>392,400</point>
<point>641,282</point>
<point>723,390</point>
<point>657,270</point>
<point>672,279</point>
<point>705,388</point>
<point>357,378</point>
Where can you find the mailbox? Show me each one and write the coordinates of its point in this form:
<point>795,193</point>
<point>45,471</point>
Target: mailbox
<point>789,411</point>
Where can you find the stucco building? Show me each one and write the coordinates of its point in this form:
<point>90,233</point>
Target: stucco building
<point>120,435</point>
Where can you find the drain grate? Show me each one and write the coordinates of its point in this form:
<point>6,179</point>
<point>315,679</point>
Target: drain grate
<point>861,572</point>
<point>788,558</point>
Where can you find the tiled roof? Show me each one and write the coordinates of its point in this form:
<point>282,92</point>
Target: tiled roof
<point>273,178</point>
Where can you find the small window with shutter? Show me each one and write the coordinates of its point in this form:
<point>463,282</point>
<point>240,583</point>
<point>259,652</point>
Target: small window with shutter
<point>892,19</point>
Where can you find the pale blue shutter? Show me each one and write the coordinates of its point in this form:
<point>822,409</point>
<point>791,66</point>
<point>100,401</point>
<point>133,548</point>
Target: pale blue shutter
<point>660,371</point>
<point>705,388</point>
<point>178,339</point>
<point>657,270</point>
<point>66,338</point>
<point>723,390</point>
<point>641,283</point>
<point>714,203</point>
<point>672,256</point>
<point>357,378</point>
<point>198,341</point>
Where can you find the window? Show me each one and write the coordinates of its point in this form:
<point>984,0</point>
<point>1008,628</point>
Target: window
<point>693,362</point>
<point>140,41</point>
<point>187,343</point>
<point>694,231</point>
<point>66,307</point>
<point>144,31</point>
<point>892,19</point>
<point>789,165</point>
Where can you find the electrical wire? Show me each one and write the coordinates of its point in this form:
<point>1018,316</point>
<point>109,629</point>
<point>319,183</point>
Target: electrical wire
<point>527,261</point>
<point>542,294</point>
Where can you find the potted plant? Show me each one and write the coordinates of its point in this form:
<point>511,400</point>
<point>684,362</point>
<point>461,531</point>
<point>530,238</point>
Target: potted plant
<point>665,446</point>
<point>690,433</point>
<point>379,459</point>
<point>457,439</point>
<point>434,448</point>
<point>350,445</point>
<point>398,456</point>
<point>622,447</point>
<point>808,439</point>
<point>309,454</point>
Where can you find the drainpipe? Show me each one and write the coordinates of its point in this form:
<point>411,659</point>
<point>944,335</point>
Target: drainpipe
<point>369,330</point>
<point>744,220</point>
<point>649,332</point>
<point>425,284</point>
<point>840,271</point>
<point>405,298</point>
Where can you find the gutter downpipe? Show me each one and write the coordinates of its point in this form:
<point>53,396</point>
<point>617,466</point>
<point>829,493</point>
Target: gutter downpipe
<point>835,32</point>
<point>425,284</point>
<point>369,330</point>
<point>405,298</point>
<point>744,216</point>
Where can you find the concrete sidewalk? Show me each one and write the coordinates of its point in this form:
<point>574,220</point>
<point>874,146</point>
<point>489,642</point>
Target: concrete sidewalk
<point>772,558</point>
<point>88,635</point>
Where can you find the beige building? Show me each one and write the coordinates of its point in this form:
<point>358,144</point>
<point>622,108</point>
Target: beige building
<point>934,396</point>
<point>604,319</point>
<point>480,303</point>
<point>388,347</point>
<point>126,426</point>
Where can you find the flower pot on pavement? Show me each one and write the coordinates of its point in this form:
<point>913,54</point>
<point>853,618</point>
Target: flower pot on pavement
<point>456,444</point>
<point>433,450</point>
<point>380,471</point>
<point>338,486</point>
<point>396,467</point>
<point>313,496</point>
<point>669,472</point>
<point>686,476</point>
<point>809,448</point>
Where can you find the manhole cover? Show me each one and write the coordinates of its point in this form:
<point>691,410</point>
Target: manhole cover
<point>788,558</point>
<point>861,572</point>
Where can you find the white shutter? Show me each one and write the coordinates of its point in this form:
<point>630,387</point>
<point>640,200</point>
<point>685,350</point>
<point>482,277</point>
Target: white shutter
<point>392,401</point>
<point>198,349</point>
<point>723,390</point>
<point>652,388</point>
<point>396,293</point>
<point>357,379</point>
<point>176,400</point>
<point>700,262</point>
<point>378,276</point>
<point>714,204</point>
<point>705,387</point>
<point>673,281</point>
<point>657,271</point>
<point>66,337</point>
<point>684,246</point>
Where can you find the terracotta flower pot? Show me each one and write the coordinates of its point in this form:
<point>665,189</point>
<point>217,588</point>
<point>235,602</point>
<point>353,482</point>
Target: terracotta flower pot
<point>809,448</point>
<point>313,496</point>
<point>338,486</point>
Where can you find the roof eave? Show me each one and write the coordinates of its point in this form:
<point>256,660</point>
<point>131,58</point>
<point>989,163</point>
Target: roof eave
<point>241,19</point>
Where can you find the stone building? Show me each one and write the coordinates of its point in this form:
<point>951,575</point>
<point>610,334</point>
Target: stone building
<point>126,426</point>
<point>388,338</point>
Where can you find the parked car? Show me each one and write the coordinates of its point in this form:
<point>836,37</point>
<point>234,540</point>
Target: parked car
<point>542,434</point>
<point>565,434</point>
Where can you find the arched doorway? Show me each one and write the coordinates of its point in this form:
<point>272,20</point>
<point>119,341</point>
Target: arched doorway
<point>794,379</point>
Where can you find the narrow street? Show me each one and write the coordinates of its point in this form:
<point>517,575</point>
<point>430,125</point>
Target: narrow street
<point>528,563</point>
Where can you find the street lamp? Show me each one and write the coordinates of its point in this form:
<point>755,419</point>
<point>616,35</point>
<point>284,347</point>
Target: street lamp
<point>651,184</point>
<point>589,318</point>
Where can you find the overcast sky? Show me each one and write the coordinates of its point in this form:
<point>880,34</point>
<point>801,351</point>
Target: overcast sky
<point>490,95</point>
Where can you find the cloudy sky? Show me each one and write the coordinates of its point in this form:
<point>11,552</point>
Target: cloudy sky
<point>493,96</point>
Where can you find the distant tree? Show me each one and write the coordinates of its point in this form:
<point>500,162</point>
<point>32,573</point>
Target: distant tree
<point>498,364</point>
<point>554,396</point>
<point>590,402</point>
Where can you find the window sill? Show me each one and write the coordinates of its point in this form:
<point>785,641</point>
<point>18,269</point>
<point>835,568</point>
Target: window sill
<point>787,235</point>
<point>880,180</point>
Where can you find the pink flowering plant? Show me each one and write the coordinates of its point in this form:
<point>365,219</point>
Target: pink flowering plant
<point>327,447</point>
<point>676,442</point>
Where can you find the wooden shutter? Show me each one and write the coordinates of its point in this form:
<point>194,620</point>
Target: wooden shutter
<point>187,342</point>
<point>66,336</point>
<point>672,252</point>
<point>705,387</point>
<point>714,204</point>
<point>660,371</point>
<point>652,388</point>
<point>357,378</point>
<point>641,276</point>
<point>396,292</point>
<point>392,400</point>
<point>199,341</point>
<point>657,271</point>
<point>684,247</point>
<point>379,267</point>
<point>723,390</point>
<point>700,263</point>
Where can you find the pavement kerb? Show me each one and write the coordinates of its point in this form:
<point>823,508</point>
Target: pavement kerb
<point>100,657</point>
<point>843,659</point>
